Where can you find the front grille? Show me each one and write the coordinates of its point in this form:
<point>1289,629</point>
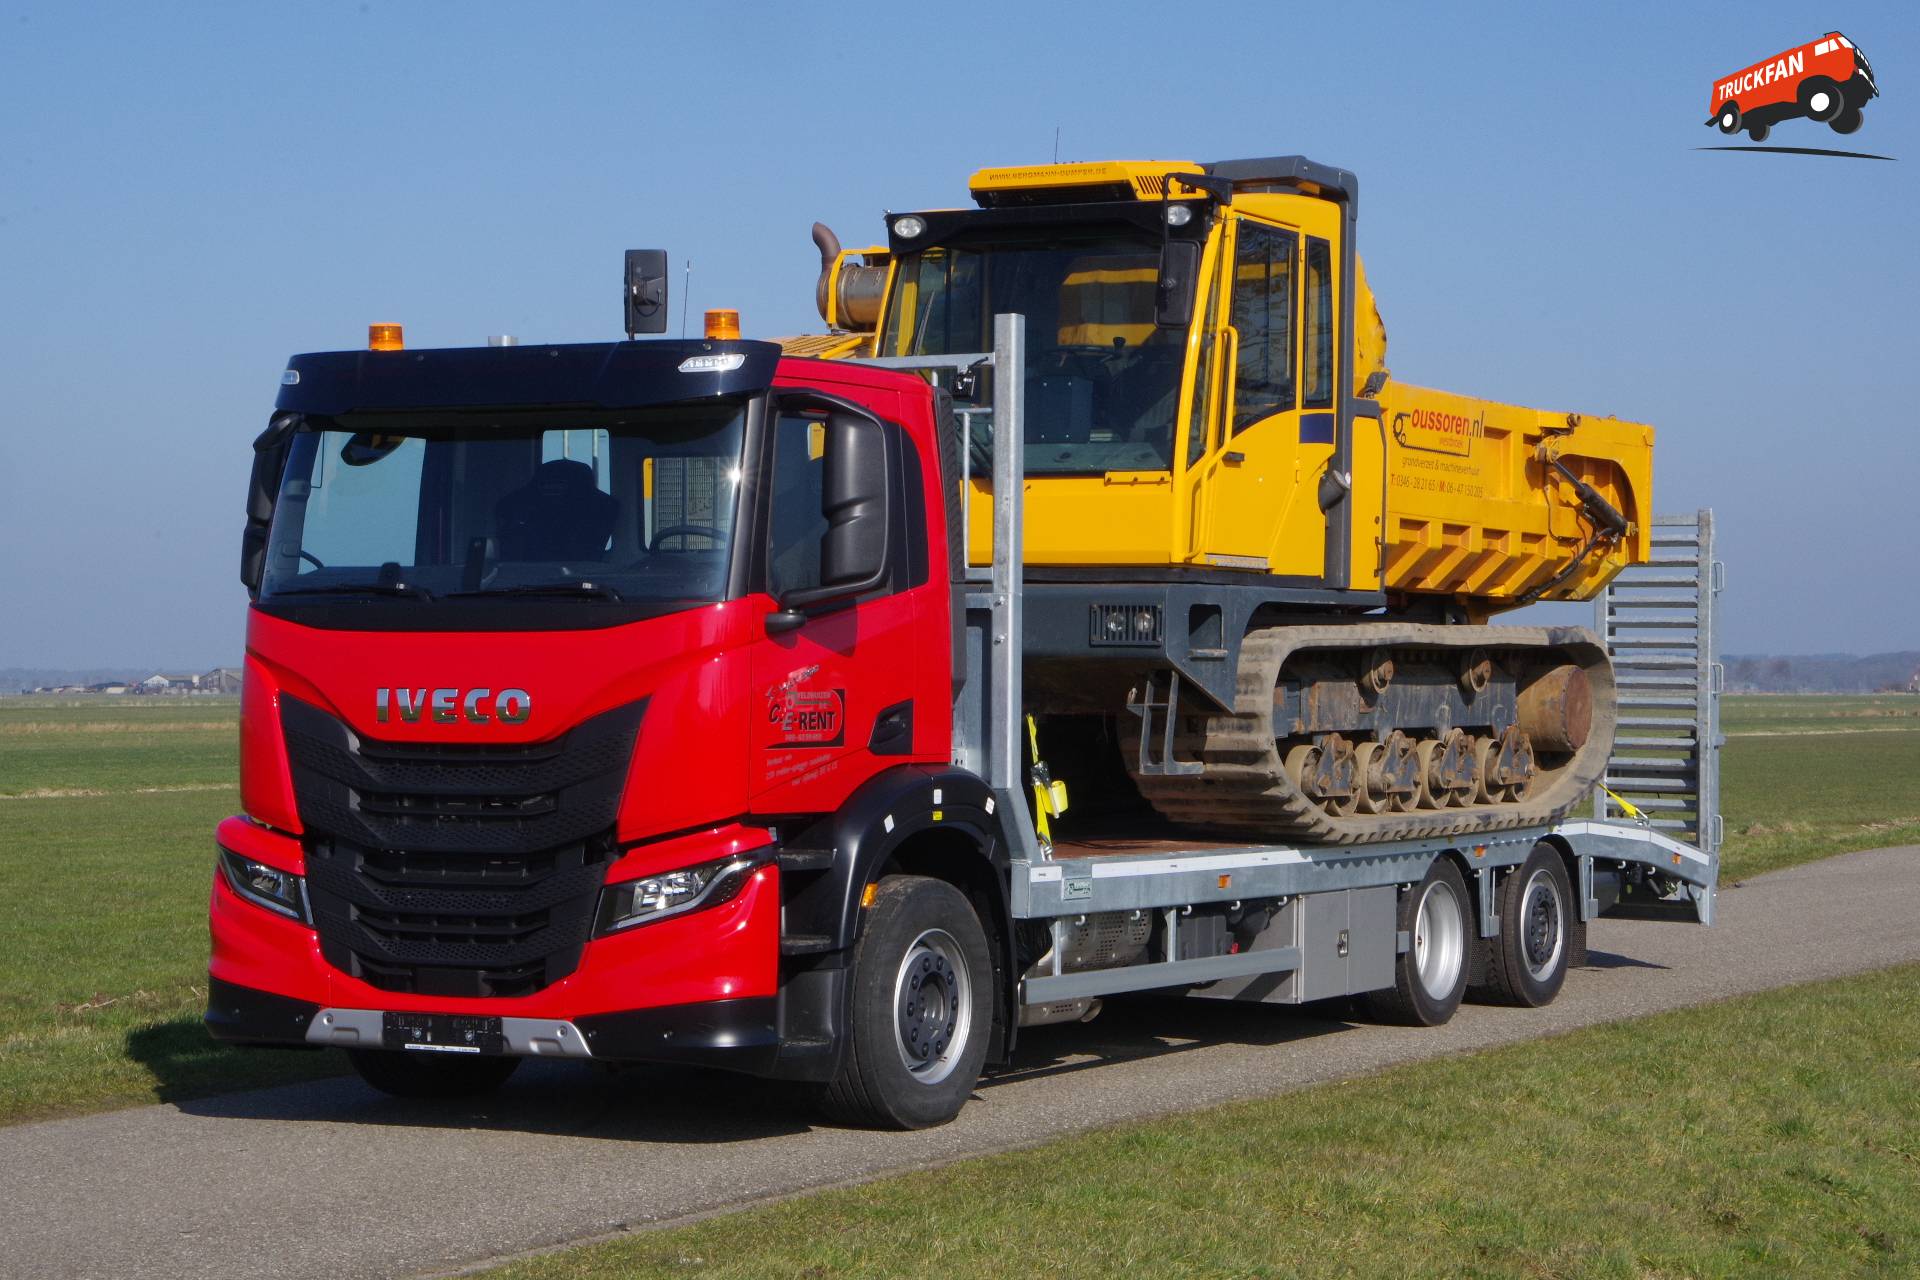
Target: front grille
<point>456,870</point>
<point>454,924</point>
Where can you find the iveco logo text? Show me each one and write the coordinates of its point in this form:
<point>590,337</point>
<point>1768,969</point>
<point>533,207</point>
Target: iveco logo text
<point>449,706</point>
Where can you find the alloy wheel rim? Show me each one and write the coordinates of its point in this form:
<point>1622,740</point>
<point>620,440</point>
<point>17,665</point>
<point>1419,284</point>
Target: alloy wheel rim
<point>1439,939</point>
<point>932,1006</point>
<point>1542,927</point>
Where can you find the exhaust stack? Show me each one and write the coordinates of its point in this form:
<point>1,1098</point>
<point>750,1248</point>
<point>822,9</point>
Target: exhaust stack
<point>849,293</point>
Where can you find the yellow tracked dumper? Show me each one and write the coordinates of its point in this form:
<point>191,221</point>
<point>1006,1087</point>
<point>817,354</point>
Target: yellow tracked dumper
<point>1258,570</point>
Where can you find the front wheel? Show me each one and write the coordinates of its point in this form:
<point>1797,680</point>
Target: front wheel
<point>423,1074</point>
<point>1821,99</point>
<point>921,1008</point>
<point>1431,976</point>
<point>1848,121</point>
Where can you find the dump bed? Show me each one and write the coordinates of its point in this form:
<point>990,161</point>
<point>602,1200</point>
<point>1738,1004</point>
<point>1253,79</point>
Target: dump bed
<point>1474,509</point>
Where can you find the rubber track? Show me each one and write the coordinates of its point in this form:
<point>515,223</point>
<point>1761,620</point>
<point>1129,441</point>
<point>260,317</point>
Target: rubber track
<point>1243,788</point>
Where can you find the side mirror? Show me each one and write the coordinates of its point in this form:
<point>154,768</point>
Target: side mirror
<point>646,294</point>
<point>263,489</point>
<point>854,499</point>
<point>1179,271</point>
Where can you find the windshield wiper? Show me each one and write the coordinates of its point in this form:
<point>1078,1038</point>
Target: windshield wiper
<point>598,590</point>
<point>360,589</point>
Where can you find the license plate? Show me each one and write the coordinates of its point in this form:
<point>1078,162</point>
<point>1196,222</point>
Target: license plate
<point>443,1033</point>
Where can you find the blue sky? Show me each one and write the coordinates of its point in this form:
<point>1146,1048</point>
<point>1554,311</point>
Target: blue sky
<point>188,195</point>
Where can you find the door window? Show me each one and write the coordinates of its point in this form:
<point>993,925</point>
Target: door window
<point>1263,320</point>
<point>796,523</point>
<point>1319,335</point>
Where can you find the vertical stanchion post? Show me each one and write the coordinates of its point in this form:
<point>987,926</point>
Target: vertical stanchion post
<point>1009,438</point>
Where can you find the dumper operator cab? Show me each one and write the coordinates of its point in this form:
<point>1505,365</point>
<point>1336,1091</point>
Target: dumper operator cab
<point>1184,326</point>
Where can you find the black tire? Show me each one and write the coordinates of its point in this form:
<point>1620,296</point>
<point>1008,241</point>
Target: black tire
<point>1430,979</point>
<point>1846,122</point>
<point>421,1074</point>
<point>1821,99</point>
<point>1729,120</point>
<point>920,1011</point>
<point>1758,130</point>
<point>1526,963</point>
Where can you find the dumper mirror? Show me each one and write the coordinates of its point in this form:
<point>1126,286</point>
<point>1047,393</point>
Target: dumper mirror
<point>1179,269</point>
<point>646,291</point>
<point>854,501</point>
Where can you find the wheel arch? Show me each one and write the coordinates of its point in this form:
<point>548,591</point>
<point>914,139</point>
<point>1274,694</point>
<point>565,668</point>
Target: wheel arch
<point>911,820</point>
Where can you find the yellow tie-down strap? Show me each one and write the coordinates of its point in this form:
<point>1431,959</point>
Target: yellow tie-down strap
<point>1049,797</point>
<point>1626,806</point>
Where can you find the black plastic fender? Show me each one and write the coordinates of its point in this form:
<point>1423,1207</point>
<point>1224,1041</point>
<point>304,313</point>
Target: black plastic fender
<point>826,869</point>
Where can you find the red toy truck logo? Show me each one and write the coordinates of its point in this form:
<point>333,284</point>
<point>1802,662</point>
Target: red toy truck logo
<point>1828,80</point>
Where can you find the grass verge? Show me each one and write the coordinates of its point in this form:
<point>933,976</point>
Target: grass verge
<point>1777,1134</point>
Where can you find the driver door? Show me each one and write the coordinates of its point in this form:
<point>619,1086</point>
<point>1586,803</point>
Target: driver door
<point>1266,448</point>
<point>833,699</point>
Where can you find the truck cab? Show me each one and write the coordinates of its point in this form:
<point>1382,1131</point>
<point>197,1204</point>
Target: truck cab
<point>562,664</point>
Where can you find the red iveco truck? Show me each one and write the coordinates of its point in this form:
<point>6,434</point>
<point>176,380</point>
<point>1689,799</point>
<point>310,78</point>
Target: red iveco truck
<point>632,701</point>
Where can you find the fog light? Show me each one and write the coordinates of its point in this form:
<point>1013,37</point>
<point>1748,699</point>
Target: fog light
<point>281,892</point>
<point>673,893</point>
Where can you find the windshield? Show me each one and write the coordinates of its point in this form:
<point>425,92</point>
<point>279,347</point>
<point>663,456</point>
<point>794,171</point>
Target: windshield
<point>1103,381</point>
<point>636,505</point>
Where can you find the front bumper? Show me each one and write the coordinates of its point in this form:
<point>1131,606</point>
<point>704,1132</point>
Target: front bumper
<point>703,988</point>
<point>738,1035</point>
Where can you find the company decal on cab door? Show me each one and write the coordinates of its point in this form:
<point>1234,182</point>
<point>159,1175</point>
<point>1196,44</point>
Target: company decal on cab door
<point>806,717</point>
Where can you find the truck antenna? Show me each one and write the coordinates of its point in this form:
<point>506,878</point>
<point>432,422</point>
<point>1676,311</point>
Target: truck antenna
<point>686,290</point>
<point>1056,144</point>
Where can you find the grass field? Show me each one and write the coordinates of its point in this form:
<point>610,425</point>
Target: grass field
<point>107,808</point>
<point>1770,1136</point>
<point>1804,777</point>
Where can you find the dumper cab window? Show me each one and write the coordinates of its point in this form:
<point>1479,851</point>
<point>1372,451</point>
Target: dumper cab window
<point>633,507</point>
<point>1262,323</point>
<point>1102,381</point>
<point>1319,325</point>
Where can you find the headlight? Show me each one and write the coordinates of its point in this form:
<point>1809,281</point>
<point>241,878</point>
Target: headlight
<point>909,227</point>
<point>278,891</point>
<point>673,893</point>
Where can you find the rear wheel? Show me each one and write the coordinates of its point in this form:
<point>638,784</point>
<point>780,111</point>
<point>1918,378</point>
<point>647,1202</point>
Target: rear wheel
<point>921,1008</point>
<point>1758,131</point>
<point>1730,118</point>
<point>422,1074</point>
<point>1431,976</point>
<point>1527,961</point>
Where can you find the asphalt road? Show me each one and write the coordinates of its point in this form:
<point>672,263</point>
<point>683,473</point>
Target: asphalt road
<point>331,1179</point>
